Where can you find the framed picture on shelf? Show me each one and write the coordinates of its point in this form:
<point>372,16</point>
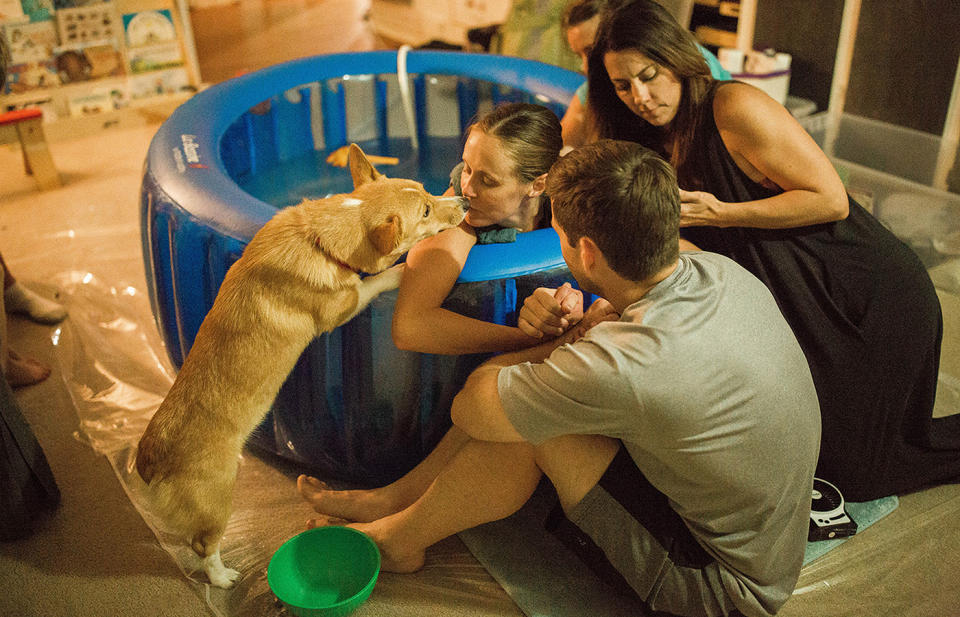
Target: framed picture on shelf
<point>44,101</point>
<point>90,102</point>
<point>83,63</point>
<point>10,10</point>
<point>158,83</point>
<point>154,57</point>
<point>30,41</point>
<point>31,76</point>
<point>37,10</point>
<point>88,24</point>
<point>72,4</point>
<point>149,28</point>
<point>151,41</point>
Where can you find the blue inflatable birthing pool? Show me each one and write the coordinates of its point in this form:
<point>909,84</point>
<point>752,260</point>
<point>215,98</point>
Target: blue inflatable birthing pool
<point>355,407</point>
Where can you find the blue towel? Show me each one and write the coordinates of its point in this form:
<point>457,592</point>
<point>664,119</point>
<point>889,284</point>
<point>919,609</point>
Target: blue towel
<point>864,513</point>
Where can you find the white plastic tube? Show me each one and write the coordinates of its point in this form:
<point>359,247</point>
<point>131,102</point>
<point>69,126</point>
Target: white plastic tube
<point>403,79</point>
<point>950,141</point>
<point>841,73</point>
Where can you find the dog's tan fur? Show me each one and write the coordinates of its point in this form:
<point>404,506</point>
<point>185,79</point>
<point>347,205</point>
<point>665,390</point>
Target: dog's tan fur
<point>295,280</point>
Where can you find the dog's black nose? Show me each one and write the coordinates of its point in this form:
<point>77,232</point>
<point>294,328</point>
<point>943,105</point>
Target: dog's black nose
<point>464,204</point>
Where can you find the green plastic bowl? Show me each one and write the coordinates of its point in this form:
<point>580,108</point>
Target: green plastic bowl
<point>325,571</point>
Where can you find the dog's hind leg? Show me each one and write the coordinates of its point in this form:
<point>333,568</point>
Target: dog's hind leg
<point>208,547</point>
<point>219,574</point>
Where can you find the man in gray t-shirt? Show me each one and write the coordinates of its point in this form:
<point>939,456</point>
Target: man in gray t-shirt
<point>708,391</point>
<point>700,379</point>
<point>677,419</point>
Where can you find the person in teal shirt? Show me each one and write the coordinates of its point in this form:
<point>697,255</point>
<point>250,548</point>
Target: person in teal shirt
<point>581,18</point>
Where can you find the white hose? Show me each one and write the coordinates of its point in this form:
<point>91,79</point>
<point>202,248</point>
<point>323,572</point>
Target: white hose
<point>405,97</point>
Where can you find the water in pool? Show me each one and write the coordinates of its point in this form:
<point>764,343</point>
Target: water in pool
<point>310,176</point>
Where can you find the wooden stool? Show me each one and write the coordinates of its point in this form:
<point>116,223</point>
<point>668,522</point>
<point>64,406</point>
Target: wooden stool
<point>28,126</point>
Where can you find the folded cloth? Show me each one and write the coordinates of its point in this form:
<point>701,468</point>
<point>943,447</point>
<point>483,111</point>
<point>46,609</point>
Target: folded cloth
<point>494,234</point>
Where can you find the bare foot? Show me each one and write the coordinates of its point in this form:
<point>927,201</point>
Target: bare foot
<point>24,371</point>
<point>326,521</point>
<point>394,556</point>
<point>20,299</point>
<point>358,505</point>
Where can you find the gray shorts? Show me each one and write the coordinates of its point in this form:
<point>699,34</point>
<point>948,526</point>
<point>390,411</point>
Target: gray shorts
<point>628,534</point>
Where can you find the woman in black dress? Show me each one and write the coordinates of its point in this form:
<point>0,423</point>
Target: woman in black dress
<point>757,188</point>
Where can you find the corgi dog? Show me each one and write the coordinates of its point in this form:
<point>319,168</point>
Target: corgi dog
<point>297,278</point>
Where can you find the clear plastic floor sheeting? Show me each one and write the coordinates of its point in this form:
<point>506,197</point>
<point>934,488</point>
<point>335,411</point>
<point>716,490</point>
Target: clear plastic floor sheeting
<point>116,371</point>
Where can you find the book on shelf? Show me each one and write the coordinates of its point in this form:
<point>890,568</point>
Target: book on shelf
<point>28,76</point>
<point>44,101</point>
<point>87,24</point>
<point>72,4</point>
<point>151,41</point>
<point>159,83</point>
<point>37,10</point>
<point>30,41</point>
<point>88,62</point>
<point>11,10</point>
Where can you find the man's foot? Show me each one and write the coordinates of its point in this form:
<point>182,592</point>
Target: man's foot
<point>394,557</point>
<point>358,505</point>
<point>19,299</point>
<point>24,371</point>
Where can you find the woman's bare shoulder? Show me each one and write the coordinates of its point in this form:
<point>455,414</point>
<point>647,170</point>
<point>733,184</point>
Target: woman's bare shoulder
<point>455,241</point>
<point>737,103</point>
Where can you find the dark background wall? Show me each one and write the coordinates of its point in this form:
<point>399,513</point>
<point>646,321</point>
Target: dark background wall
<point>904,60</point>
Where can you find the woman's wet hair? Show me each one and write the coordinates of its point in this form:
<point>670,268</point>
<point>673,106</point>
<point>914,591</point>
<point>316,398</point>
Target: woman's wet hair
<point>622,196</point>
<point>530,135</point>
<point>646,27</point>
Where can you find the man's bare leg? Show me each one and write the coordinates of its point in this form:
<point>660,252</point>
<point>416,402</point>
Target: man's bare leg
<point>575,463</point>
<point>485,482</point>
<point>369,505</point>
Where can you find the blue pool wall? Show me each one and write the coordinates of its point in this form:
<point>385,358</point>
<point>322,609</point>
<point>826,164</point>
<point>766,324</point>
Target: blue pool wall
<point>355,407</point>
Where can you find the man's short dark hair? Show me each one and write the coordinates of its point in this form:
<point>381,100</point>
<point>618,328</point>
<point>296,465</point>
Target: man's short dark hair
<point>625,198</point>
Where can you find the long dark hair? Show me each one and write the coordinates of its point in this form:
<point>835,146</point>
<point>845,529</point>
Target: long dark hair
<point>646,27</point>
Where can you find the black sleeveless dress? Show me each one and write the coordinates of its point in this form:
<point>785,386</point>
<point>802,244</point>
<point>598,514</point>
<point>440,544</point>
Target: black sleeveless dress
<point>27,486</point>
<point>868,319</point>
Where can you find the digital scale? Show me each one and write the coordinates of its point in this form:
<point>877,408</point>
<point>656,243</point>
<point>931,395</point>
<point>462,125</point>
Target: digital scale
<point>828,516</point>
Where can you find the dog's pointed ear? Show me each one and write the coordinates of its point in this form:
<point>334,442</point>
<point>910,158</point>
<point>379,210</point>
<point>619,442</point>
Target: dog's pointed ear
<point>361,169</point>
<point>386,236</point>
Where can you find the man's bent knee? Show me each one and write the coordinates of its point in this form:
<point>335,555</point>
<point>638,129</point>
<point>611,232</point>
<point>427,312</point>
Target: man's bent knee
<point>575,463</point>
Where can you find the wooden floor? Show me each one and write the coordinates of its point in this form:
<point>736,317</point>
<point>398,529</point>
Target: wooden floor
<point>251,34</point>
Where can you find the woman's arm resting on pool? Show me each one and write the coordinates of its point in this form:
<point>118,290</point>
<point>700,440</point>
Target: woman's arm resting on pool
<point>419,322</point>
<point>771,147</point>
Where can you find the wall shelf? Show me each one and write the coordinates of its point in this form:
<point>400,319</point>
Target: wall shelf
<point>151,44</point>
